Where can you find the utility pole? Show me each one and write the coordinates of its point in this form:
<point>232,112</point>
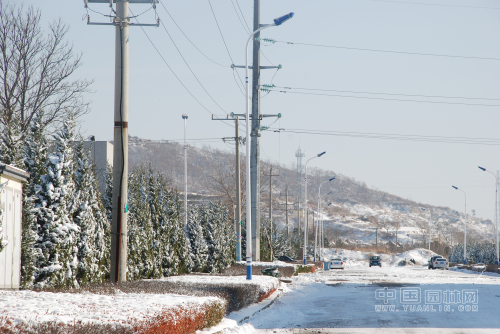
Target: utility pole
<point>237,215</point>
<point>185,117</point>
<point>255,133</point>
<point>119,232</point>
<point>286,212</point>
<point>255,194</point>
<point>376,237</point>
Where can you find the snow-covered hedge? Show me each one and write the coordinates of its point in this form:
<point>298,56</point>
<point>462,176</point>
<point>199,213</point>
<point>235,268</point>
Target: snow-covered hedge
<point>45,312</point>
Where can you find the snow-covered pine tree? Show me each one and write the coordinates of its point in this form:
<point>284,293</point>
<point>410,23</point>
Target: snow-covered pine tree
<point>141,235</point>
<point>181,244</point>
<point>107,196</point>
<point>35,157</point>
<point>28,238</point>
<point>58,234</point>
<point>228,238</point>
<point>213,237</point>
<point>11,144</point>
<point>169,260</point>
<point>194,231</point>
<point>153,193</point>
<point>90,216</point>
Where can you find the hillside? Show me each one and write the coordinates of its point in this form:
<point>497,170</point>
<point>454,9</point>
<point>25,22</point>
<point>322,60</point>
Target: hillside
<point>354,215</point>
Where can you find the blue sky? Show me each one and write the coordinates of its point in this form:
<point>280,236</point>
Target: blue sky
<point>417,170</point>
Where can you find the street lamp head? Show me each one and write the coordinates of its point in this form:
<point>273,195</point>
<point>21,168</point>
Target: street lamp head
<point>319,155</point>
<point>280,20</point>
<point>455,187</point>
<point>481,168</point>
<point>331,179</point>
<point>184,116</point>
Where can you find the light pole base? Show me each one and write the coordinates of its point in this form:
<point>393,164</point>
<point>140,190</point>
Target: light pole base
<point>305,261</point>
<point>249,272</point>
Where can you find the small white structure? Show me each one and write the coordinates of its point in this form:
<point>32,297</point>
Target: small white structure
<point>102,155</point>
<point>11,194</point>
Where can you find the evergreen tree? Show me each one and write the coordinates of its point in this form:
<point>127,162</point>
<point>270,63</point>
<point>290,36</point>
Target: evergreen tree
<point>11,145</point>
<point>58,235</point>
<point>90,216</point>
<point>194,231</point>
<point>107,196</point>
<point>35,157</point>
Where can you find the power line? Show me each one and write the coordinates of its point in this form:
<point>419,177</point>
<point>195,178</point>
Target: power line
<point>386,99</point>
<point>213,61</point>
<point>189,67</point>
<point>171,70</point>
<point>434,139</point>
<point>392,94</point>
<point>223,39</point>
<point>247,30</point>
<point>385,51</point>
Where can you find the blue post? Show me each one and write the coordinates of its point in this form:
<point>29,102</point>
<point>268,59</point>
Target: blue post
<point>249,267</point>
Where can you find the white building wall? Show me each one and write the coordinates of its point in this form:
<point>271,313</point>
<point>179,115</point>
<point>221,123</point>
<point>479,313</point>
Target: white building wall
<point>10,257</point>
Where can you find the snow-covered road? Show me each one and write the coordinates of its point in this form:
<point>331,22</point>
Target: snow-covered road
<point>390,299</point>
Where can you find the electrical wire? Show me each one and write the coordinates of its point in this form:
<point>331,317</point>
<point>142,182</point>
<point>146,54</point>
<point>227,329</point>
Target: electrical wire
<point>204,55</point>
<point>389,51</point>
<point>386,99</point>
<point>239,19</point>
<point>190,69</point>
<point>223,40</point>
<point>173,72</point>
<point>391,94</point>
<point>435,139</point>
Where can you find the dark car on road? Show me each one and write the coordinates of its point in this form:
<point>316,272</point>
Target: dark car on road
<point>375,261</point>
<point>285,258</point>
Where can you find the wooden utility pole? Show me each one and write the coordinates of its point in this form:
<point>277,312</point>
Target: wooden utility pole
<point>237,215</point>
<point>119,235</point>
<point>271,202</point>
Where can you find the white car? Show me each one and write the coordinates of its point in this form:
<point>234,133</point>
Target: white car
<point>336,263</point>
<point>438,263</point>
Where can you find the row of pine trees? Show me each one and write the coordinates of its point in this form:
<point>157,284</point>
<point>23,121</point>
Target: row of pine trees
<point>66,220</point>
<point>476,252</point>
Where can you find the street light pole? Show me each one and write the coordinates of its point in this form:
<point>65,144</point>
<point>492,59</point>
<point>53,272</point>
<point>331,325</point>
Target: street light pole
<point>465,225</point>
<point>185,117</point>
<point>317,225</point>
<point>305,201</point>
<point>277,22</point>
<point>496,209</point>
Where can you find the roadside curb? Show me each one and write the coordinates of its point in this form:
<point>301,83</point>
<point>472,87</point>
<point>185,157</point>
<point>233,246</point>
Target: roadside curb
<point>238,317</point>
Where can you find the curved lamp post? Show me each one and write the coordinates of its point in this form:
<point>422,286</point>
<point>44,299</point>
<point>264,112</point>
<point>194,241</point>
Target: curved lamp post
<point>317,225</point>
<point>305,200</point>
<point>465,224</point>
<point>496,208</point>
<point>277,22</point>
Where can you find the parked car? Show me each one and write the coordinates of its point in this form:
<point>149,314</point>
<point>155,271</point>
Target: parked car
<point>336,263</point>
<point>375,261</point>
<point>438,262</point>
<point>285,258</point>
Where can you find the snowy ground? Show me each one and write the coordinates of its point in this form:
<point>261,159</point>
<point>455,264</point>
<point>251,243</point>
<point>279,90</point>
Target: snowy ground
<point>390,299</point>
